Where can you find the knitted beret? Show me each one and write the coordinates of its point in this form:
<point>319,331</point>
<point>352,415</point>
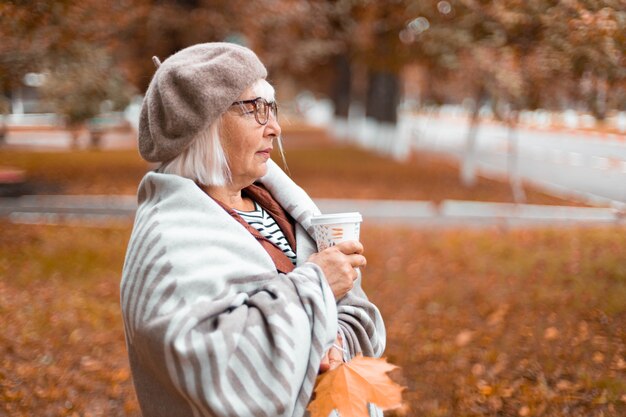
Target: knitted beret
<point>189,91</point>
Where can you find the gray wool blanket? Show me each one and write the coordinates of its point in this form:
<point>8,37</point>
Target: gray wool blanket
<point>212,328</point>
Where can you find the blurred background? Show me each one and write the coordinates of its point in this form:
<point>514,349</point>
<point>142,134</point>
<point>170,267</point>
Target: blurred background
<point>495,85</point>
<point>483,141</point>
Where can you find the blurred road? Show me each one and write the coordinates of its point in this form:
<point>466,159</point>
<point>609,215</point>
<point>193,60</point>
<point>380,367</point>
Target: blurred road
<point>587,165</point>
<point>594,166</point>
<point>103,210</point>
<point>591,165</point>
<point>60,139</point>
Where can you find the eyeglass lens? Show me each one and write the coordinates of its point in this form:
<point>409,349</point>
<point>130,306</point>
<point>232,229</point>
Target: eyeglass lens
<point>263,108</point>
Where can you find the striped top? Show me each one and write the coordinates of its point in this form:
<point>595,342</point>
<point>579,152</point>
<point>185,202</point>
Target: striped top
<point>262,221</point>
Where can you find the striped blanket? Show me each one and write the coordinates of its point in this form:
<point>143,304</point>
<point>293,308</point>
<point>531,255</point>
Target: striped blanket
<point>211,328</point>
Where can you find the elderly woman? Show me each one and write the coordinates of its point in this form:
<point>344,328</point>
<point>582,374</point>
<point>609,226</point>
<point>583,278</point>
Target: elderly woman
<point>228,307</point>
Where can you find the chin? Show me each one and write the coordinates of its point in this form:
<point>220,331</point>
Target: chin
<point>260,172</point>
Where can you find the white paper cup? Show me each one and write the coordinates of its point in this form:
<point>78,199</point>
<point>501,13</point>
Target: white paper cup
<point>331,229</point>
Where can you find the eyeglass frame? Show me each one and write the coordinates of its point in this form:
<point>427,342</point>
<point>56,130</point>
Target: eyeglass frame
<point>269,105</point>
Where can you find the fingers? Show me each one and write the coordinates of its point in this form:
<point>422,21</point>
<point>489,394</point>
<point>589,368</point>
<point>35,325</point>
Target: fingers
<point>357,261</point>
<point>332,359</point>
<point>353,250</point>
<point>325,364</point>
<point>350,247</point>
<point>335,358</point>
<point>339,264</point>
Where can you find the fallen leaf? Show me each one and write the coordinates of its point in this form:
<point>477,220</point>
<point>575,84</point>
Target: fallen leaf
<point>498,316</point>
<point>598,357</point>
<point>551,333</point>
<point>601,399</point>
<point>507,392</point>
<point>478,369</point>
<point>583,330</point>
<point>564,385</point>
<point>620,364</point>
<point>485,390</point>
<point>76,336</point>
<point>90,365</point>
<point>464,338</point>
<point>352,385</point>
<point>121,375</point>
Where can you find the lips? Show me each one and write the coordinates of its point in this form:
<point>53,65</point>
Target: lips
<point>265,152</point>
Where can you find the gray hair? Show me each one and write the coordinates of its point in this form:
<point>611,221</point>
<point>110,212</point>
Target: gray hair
<point>204,160</point>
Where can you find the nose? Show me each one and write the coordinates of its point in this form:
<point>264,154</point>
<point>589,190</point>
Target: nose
<point>272,128</point>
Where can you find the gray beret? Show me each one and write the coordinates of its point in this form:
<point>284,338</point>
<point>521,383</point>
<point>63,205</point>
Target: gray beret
<point>189,91</point>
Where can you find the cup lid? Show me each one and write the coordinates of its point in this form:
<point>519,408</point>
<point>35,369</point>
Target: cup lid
<point>352,217</point>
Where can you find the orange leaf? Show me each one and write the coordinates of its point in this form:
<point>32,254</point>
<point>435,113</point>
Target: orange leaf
<point>352,385</point>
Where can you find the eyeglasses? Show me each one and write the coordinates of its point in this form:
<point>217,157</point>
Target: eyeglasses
<point>261,109</point>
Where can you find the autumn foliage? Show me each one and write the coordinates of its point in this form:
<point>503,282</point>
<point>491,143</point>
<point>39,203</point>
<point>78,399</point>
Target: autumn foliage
<point>351,386</point>
<point>483,322</point>
<point>510,54</point>
<point>62,349</point>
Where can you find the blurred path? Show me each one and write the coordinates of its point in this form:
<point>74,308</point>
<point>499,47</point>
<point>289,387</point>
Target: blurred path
<point>50,138</point>
<point>590,164</point>
<point>434,135</point>
<point>102,210</point>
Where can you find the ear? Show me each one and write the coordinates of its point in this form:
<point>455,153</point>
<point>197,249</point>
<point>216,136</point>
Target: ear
<point>157,61</point>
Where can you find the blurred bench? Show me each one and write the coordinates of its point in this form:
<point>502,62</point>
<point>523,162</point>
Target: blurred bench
<point>12,182</point>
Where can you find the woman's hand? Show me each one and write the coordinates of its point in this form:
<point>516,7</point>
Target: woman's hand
<point>333,358</point>
<point>338,263</point>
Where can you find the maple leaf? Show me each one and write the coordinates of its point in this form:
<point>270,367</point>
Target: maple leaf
<point>352,385</point>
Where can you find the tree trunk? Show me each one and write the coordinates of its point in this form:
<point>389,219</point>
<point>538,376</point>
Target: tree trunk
<point>383,96</point>
<point>3,130</point>
<point>381,111</point>
<point>515,180</point>
<point>468,164</point>
<point>341,96</point>
<point>600,102</point>
<point>95,138</point>
<point>75,135</point>
<point>4,113</point>
<point>342,87</point>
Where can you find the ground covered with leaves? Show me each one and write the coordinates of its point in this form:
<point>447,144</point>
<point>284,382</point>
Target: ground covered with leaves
<point>62,350</point>
<point>483,323</point>
<point>496,323</point>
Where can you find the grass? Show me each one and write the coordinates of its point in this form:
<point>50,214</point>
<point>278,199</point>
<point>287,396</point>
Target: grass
<point>483,323</point>
<point>326,170</point>
<point>78,171</point>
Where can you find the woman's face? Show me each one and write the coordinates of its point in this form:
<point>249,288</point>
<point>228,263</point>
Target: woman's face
<point>246,143</point>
